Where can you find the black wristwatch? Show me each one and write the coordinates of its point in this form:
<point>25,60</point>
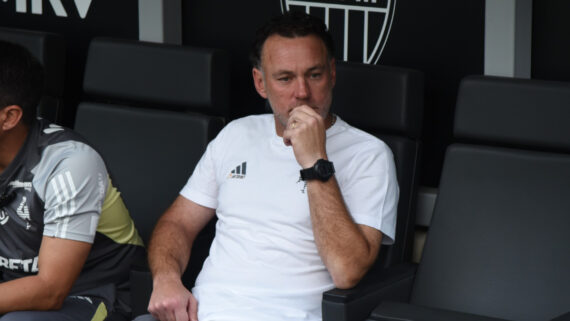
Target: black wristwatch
<point>322,170</point>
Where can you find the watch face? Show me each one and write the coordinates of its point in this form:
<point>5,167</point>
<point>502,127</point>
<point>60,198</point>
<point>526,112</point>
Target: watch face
<point>324,169</point>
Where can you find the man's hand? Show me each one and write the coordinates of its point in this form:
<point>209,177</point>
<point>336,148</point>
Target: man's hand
<point>171,301</point>
<point>305,132</point>
<point>169,252</point>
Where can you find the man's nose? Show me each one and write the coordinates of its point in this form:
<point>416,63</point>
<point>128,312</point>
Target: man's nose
<point>302,90</point>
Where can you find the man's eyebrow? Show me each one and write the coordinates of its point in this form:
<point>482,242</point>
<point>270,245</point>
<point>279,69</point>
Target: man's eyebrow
<point>282,73</point>
<point>317,67</point>
<point>289,72</point>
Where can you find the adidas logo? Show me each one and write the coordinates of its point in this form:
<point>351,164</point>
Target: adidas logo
<point>239,172</point>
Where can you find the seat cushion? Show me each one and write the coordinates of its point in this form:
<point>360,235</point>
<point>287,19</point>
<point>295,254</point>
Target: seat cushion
<point>498,240</point>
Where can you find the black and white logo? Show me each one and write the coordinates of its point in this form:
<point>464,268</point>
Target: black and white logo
<point>23,210</point>
<point>52,129</point>
<point>19,184</point>
<point>360,27</point>
<point>239,172</point>
<point>4,218</point>
<point>37,7</point>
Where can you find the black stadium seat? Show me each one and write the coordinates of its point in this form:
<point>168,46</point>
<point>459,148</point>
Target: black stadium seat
<point>386,102</point>
<point>151,110</point>
<point>49,49</point>
<point>499,240</point>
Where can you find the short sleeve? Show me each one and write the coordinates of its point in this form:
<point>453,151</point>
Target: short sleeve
<point>202,187</point>
<point>74,190</point>
<point>370,190</point>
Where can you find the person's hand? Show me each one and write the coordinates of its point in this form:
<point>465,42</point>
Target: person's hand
<point>171,301</point>
<point>305,132</point>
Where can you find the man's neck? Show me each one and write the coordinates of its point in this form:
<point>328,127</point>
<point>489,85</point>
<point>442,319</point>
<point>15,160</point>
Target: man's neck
<point>10,144</point>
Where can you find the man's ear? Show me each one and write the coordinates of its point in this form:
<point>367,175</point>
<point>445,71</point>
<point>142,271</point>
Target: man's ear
<point>10,116</point>
<point>333,71</point>
<point>258,82</point>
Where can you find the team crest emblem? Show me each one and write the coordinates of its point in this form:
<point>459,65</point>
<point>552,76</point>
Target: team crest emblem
<point>3,217</point>
<point>360,28</point>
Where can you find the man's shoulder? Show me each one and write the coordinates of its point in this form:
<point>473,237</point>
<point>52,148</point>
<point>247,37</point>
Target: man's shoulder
<point>252,120</point>
<point>62,147</point>
<point>255,124</point>
<point>61,142</point>
<point>49,133</point>
<point>347,135</point>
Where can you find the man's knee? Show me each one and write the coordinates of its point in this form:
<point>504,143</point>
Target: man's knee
<point>21,316</point>
<point>144,317</point>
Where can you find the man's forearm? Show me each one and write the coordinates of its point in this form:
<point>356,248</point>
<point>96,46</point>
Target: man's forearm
<point>60,262</point>
<point>173,236</point>
<point>30,293</point>
<point>169,249</point>
<point>169,252</point>
<point>346,249</point>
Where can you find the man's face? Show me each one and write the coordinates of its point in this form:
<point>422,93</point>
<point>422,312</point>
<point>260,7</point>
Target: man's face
<point>295,72</point>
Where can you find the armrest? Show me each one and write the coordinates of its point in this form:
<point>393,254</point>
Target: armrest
<point>394,284</point>
<point>390,311</point>
<point>563,317</point>
<point>141,289</point>
<point>114,316</point>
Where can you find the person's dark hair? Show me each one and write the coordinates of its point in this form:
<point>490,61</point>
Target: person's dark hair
<point>291,24</point>
<point>21,80</point>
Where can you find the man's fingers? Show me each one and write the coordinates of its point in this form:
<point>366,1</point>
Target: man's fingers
<point>305,109</point>
<point>303,116</point>
<point>173,310</point>
<point>181,314</point>
<point>193,309</point>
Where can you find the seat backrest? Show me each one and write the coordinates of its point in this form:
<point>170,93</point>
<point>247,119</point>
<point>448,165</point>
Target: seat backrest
<point>150,111</point>
<point>499,239</point>
<point>388,103</point>
<point>49,49</point>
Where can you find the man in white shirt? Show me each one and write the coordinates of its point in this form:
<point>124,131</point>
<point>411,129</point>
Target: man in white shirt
<point>290,223</point>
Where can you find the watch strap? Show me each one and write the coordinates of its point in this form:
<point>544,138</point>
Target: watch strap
<point>322,170</point>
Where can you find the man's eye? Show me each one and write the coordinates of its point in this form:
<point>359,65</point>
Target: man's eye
<point>284,79</point>
<point>316,75</point>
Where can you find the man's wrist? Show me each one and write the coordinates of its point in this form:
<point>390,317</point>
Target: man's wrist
<point>322,170</point>
<point>163,277</point>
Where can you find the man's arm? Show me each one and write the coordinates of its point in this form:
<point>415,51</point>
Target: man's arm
<point>346,248</point>
<point>60,261</point>
<point>73,195</point>
<point>169,252</point>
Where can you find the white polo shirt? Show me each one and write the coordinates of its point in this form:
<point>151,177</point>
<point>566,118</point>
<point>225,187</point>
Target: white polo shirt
<point>264,264</point>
